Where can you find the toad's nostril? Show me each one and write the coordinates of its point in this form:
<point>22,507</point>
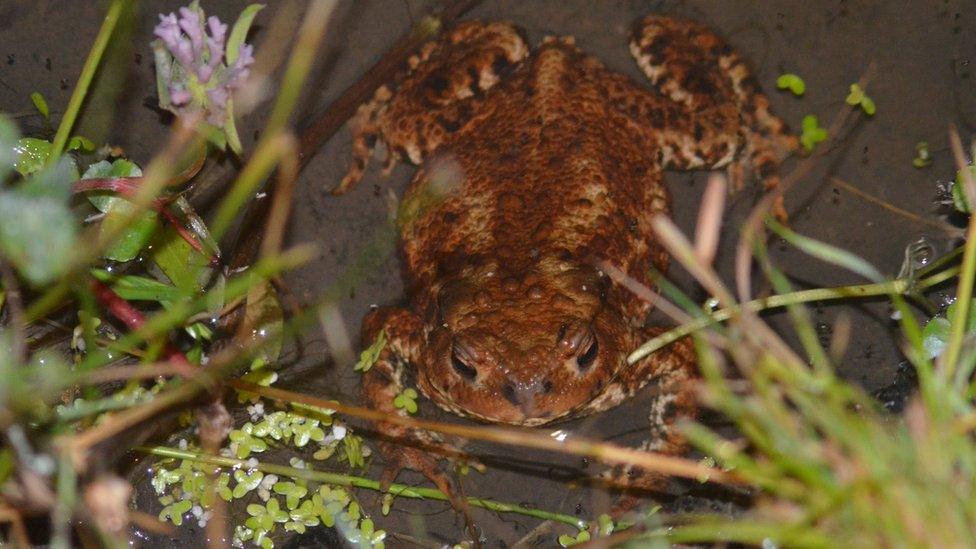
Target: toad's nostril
<point>511,394</point>
<point>524,395</point>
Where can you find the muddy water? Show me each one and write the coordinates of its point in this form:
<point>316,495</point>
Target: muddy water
<point>922,53</point>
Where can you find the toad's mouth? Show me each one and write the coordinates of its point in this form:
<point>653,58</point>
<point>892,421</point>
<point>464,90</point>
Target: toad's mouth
<point>516,416</point>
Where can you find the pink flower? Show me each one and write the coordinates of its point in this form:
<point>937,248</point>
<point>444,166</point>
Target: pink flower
<point>200,79</point>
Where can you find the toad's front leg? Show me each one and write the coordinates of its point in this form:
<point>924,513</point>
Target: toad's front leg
<point>670,373</point>
<point>405,447</point>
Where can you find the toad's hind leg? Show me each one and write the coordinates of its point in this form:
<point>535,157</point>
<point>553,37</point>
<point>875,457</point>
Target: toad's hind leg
<point>717,94</point>
<point>438,96</point>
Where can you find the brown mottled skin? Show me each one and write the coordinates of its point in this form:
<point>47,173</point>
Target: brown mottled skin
<point>532,165</point>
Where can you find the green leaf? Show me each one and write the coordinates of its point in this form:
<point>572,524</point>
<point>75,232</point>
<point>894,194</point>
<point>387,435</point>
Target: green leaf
<point>406,401</point>
<point>165,67</point>
<point>230,130</point>
<point>134,236</point>
<point>792,82</point>
<point>7,464</point>
<point>53,182</point>
<point>31,154</point>
<point>566,540</point>
<point>828,253</point>
<point>856,95</point>
<point>867,105</point>
<point>184,266</point>
<point>138,288</point>
<point>353,447</point>
<point>40,104</point>
<point>935,335</point>
<point>959,199</point>
<point>606,524</point>
<point>276,512</point>
<point>80,143</point>
<point>105,169</point>
<point>923,157</point>
<point>970,322</point>
<point>215,134</point>
<point>238,32</point>
<point>246,481</point>
<point>236,39</point>
<point>187,269</point>
<point>812,132</point>
<point>38,229</point>
<point>8,146</point>
<point>175,511</point>
<point>371,354</point>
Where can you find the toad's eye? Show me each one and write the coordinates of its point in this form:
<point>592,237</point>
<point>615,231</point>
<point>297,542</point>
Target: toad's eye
<point>587,357</point>
<point>461,367</point>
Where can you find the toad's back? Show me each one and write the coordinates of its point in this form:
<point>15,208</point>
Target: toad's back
<point>551,167</point>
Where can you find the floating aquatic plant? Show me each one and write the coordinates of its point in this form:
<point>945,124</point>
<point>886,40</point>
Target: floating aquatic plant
<point>407,400</point>
<point>184,480</point>
<point>371,354</point>
<point>857,97</point>
<point>791,82</point>
<point>923,157</point>
<point>40,104</point>
<point>812,134</point>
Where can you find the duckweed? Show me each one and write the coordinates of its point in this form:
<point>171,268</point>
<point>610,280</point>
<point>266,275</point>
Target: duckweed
<point>792,82</point>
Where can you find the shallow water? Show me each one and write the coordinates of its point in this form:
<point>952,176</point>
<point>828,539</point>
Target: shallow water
<point>922,54</point>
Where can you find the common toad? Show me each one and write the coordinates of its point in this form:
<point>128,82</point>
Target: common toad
<point>531,165</point>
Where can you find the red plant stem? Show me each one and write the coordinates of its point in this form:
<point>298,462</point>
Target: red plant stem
<point>127,187</point>
<point>123,185</point>
<point>133,319</point>
<point>190,238</point>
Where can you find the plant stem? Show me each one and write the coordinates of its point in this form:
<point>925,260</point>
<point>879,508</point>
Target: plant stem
<point>64,507</point>
<point>897,286</point>
<point>750,533</point>
<point>304,52</point>
<point>85,80</point>
<point>161,322</point>
<point>964,291</point>
<point>605,452</point>
<point>134,320</point>
<point>276,143</point>
<point>266,156</point>
<point>340,479</point>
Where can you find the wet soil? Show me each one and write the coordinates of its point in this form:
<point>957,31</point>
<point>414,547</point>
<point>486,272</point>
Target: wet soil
<point>922,51</point>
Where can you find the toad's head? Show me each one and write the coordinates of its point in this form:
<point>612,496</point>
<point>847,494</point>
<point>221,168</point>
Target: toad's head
<point>524,347</point>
